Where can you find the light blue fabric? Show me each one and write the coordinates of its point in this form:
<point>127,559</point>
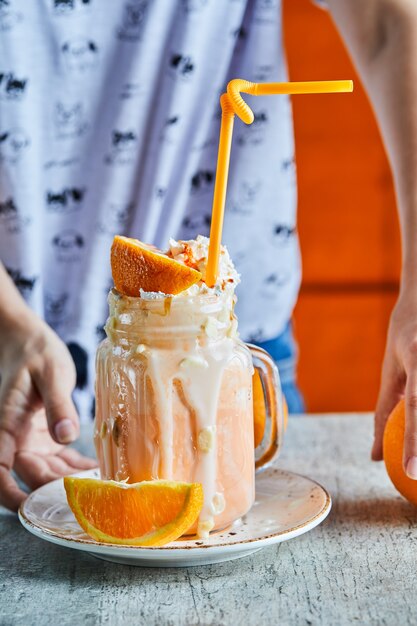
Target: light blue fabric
<point>109,123</point>
<point>283,350</point>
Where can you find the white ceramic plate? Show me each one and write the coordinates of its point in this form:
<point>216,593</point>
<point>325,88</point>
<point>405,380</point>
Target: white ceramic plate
<point>287,505</point>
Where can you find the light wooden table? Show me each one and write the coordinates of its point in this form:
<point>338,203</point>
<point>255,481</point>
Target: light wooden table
<point>358,567</point>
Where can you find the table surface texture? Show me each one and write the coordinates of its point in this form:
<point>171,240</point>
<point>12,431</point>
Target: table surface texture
<point>358,567</point>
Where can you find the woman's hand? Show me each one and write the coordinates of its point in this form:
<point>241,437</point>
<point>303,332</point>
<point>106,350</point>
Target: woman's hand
<point>37,414</point>
<point>399,378</point>
<point>381,36</point>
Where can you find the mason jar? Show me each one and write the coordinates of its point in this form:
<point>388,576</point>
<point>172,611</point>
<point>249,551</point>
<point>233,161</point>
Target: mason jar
<point>174,400</point>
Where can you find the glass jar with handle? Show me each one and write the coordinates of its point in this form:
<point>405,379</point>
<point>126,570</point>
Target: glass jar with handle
<point>174,400</point>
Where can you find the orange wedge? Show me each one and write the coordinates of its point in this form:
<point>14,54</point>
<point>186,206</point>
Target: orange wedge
<point>259,410</point>
<point>142,514</point>
<point>135,266</point>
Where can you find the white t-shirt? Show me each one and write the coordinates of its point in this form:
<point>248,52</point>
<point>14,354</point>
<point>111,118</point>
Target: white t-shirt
<point>109,123</point>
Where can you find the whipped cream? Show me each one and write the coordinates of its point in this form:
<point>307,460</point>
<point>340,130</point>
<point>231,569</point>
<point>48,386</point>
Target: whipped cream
<point>194,253</point>
<point>152,295</point>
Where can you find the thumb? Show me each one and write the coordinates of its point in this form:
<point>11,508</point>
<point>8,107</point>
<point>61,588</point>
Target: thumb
<point>410,434</point>
<point>55,385</point>
<point>390,392</point>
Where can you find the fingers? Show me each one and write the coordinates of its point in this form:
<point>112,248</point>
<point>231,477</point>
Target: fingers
<point>76,460</point>
<point>10,494</point>
<point>55,386</point>
<point>58,465</point>
<point>410,434</point>
<point>35,470</point>
<point>392,384</point>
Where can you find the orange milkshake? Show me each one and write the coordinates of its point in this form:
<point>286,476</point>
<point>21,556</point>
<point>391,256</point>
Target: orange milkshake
<point>174,391</point>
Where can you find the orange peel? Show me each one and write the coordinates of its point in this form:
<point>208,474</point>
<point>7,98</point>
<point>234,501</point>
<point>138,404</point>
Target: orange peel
<point>149,513</point>
<point>393,453</point>
<point>136,265</point>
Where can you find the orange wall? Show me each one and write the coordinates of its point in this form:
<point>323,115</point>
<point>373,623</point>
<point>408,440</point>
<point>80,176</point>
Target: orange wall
<point>347,223</point>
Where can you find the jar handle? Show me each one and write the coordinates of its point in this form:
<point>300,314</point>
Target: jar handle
<point>271,387</point>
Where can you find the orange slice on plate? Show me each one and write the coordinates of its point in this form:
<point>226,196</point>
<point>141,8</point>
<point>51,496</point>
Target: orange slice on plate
<point>136,265</point>
<point>150,513</point>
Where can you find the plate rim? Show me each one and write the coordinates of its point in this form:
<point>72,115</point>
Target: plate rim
<point>90,545</point>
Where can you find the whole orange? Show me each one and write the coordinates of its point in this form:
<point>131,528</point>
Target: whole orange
<point>393,453</point>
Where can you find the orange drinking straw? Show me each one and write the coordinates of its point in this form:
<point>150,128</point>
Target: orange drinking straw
<point>233,104</point>
<point>220,186</point>
<point>268,89</point>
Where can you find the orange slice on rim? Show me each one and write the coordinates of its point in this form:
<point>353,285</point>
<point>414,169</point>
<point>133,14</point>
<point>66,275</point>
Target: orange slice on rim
<point>150,513</point>
<point>136,265</point>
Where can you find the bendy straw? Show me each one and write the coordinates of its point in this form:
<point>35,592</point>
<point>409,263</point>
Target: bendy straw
<point>233,104</point>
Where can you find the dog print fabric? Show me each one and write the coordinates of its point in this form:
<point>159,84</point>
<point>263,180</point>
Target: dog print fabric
<point>109,123</point>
